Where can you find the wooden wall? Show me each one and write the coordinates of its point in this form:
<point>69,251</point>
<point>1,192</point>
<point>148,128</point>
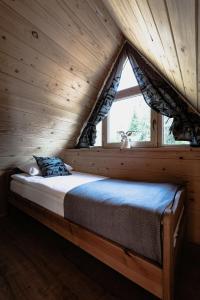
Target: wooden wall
<point>179,166</point>
<point>167,32</point>
<point>54,56</point>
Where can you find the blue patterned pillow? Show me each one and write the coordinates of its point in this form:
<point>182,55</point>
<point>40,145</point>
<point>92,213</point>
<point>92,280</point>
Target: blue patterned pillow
<point>51,166</point>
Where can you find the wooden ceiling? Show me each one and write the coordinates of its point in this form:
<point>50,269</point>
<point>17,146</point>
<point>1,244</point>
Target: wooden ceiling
<point>166,32</point>
<point>54,56</point>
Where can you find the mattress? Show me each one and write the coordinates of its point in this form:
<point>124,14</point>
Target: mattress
<point>49,192</point>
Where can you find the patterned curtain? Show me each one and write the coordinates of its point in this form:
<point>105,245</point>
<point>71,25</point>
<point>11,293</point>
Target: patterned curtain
<point>157,93</point>
<point>162,98</point>
<point>104,103</point>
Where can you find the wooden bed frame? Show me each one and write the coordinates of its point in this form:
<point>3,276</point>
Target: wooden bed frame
<point>158,280</point>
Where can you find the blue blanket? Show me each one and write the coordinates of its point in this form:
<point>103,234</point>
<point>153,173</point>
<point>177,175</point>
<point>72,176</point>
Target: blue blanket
<point>126,212</point>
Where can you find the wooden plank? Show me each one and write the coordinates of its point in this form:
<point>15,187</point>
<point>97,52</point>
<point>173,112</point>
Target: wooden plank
<point>17,69</point>
<point>23,30</point>
<point>52,64</point>
<point>182,18</point>
<point>34,13</point>
<point>15,48</point>
<point>20,88</point>
<point>162,23</point>
<point>27,105</point>
<point>156,39</point>
<point>151,37</point>
<point>15,116</point>
<point>102,13</point>
<point>77,17</point>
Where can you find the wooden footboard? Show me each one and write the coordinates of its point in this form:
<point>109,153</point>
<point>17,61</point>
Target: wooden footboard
<point>173,223</point>
<point>156,279</point>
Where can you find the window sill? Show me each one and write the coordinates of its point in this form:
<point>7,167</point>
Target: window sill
<point>144,149</point>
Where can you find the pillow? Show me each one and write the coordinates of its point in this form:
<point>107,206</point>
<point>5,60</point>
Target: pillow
<point>69,168</point>
<point>31,169</point>
<point>51,166</point>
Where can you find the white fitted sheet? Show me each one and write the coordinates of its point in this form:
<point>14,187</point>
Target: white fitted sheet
<point>49,192</point>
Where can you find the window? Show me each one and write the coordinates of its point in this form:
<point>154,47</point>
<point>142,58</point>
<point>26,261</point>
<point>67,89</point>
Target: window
<point>130,112</point>
<point>167,137</point>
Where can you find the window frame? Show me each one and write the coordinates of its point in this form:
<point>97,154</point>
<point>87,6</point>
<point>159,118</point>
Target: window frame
<point>161,144</point>
<point>122,95</point>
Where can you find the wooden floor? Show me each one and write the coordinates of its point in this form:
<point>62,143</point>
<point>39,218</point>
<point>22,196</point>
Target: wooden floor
<point>36,264</point>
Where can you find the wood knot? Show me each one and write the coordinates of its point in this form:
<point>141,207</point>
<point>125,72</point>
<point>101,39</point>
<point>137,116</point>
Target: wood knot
<point>16,71</point>
<point>3,37</point>
<point>183,49</point>
<point>180,157</point>
<point>35,34</point>
<point>71,69</point>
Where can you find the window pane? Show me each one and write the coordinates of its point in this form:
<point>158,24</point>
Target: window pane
<point>130,114</point>
<point>98,142</point>
<point>168,138</point>
<point>128,78</point>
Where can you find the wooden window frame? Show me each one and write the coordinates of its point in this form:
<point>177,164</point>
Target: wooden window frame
<point>157,138</point>
<point>121,95</point>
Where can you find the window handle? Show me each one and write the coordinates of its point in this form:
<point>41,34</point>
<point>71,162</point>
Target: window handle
<point>154,124</point>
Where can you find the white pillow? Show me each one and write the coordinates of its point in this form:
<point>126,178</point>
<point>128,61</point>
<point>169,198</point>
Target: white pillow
<point>69,168</point>
<point>33,169</point>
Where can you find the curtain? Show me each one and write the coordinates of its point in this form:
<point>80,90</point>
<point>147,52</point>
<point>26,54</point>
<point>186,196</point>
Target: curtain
<point>157,93</point>
<point>104,103</point>
<point>162,98</point>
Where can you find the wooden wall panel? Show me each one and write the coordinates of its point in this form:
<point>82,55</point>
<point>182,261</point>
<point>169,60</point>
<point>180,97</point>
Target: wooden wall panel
<point>167,33</point>
<point>179,166</point>
<point>54,56</point>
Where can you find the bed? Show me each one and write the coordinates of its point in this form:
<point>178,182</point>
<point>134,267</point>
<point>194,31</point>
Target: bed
<point>134,227</point>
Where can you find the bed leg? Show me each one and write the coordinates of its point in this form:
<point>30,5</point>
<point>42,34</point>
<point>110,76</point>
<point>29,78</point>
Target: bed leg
<point>168,258</point>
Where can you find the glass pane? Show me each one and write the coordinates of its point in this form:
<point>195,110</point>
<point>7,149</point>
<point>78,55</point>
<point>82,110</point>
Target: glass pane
<point>168,138</point>
<point>128,78</point>
<point>130,114</point>
<point>98,142</point>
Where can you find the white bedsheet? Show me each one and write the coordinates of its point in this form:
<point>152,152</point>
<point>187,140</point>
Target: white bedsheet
<point>49,192</point>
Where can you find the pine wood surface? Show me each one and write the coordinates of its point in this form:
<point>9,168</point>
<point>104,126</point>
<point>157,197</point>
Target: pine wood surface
<point>37,264</point>
<point>54,56</point>
<point>167,32</point>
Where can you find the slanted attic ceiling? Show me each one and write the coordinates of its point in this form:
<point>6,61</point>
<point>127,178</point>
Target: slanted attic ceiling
<point>166,32</point>
<point>54,56</point>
